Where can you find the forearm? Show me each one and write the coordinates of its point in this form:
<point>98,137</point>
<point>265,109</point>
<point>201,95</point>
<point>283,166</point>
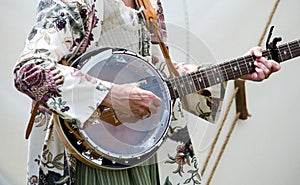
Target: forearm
<point>39,74</point>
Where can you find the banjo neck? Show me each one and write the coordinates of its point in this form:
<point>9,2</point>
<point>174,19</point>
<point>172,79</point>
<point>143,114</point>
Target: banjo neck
<point>218,73</point>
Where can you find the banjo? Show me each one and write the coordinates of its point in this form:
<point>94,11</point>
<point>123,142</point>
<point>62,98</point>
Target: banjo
<point>109,144</point>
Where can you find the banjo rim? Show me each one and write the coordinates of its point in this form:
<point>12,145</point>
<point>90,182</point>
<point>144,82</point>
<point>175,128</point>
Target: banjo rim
<point>78,135</point>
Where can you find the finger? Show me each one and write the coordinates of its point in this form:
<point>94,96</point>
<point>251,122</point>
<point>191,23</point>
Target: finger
<point>256,51</point>
<point>148,99</point>
<point>126,118</point>
<point>266,68</point>
<point>59,80</point>
<point>259,75</point>
<point>50,67</point>
<point>140,111</point>
<point>149,114</point>
<point>267,63</point>
<point>153,109</point>
<point>146,115</point>
<point>275,66</point>
<point>157,102</point>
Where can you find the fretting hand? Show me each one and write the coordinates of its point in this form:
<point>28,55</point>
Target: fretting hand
<point>263,67</point>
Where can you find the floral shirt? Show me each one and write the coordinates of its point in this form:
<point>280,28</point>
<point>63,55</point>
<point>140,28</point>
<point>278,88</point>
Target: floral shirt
<point>64,30</point>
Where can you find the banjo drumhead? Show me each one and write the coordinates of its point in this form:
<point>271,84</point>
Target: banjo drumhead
<point>127,144</point>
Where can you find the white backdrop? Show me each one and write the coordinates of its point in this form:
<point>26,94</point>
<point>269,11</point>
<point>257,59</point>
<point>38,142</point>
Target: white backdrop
<point>264,149</point>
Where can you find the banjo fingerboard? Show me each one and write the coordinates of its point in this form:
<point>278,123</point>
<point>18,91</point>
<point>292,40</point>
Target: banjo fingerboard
<point>218,73</point>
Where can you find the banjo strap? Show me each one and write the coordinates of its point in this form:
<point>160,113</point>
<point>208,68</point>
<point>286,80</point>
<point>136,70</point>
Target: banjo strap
<point>154,27</point>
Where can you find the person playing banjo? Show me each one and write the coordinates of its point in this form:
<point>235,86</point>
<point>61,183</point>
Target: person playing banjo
<point>72,90</point>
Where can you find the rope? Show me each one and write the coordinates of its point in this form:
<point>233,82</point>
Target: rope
<point>268,23</point>
<point>238,113</point>
<point>219,131</point>
<point>223,147</point>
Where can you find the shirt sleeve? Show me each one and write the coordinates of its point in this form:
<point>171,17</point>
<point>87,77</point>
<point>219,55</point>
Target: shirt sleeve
<point>59,31</point>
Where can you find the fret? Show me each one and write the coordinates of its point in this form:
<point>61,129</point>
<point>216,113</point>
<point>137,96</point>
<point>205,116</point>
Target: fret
<point>298,47</point>
<point>295,48</point>
<point>280,55</point>
<point>224,71</point>
<point>249,60</point>
<point>234,69</point>
<point>225,68</point>
<point>290,50</point>
<point>171,89</point>
<point>267,54</point>
<point>284,51</point>
<point>197,80</point>
<point>188,84</point>
<point>203,79</point>
<point>210,76</point>
<point>181,86</point>
<point>191,84</point>
<point>174,87</point>
<point>215,75</point>
<point>178,86</point>
<point>231,70</point>
<point>245,59</point>
<point>238,64</point>
<point>218,74</point>
<point>243,66</point>
<point>207,82</point>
